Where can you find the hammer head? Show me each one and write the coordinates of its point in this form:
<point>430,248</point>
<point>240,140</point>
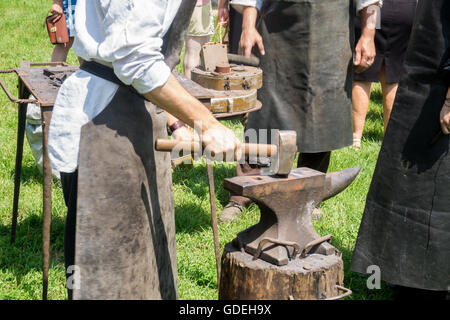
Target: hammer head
<point>286,142</point>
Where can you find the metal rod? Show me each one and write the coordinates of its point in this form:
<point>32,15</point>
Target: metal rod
<point>9,94</point>
<point>212,197</point>
<point>314,243</point>
<point>44,64</point>
<point>47,201</point>
<point>22,113</point>
<point>279,242</point>
<point>346,293</point>
<point>249,61</point>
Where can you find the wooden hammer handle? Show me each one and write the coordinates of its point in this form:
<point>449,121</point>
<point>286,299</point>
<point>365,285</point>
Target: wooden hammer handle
<point>252,149</point>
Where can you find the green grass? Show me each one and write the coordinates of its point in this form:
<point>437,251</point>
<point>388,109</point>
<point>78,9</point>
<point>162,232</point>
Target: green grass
<point>24,38</point>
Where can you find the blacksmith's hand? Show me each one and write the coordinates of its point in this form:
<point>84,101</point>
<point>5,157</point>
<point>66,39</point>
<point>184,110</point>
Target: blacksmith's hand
<point>221,144</point>
<point>445,115</point>
<point>250,36</point>
<point>185,133</point>
<point>57,10</point>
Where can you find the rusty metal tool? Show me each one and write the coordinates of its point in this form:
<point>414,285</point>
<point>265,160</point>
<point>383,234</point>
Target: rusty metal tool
<point>286,203</point>
<point>183,161</point>
<point>215,229</point>
<point>282,153</point>
<point>248,61</point>
<point>226,72</point>
<point>225,98</point>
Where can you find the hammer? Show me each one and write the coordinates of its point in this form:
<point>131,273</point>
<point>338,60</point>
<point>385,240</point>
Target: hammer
<point>282,153</point>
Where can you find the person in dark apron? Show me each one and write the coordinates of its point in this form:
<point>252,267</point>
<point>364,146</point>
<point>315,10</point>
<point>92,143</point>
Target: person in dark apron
<point>305,49</point>
<point>405,229</point>
<point>119,240</point>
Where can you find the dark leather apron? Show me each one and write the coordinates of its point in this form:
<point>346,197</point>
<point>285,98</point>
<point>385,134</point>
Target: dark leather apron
<point>307,72</point>
<point>125,230</point>
<point>405,229</point>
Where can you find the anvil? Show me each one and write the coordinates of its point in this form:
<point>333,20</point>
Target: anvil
<point>286,203</point>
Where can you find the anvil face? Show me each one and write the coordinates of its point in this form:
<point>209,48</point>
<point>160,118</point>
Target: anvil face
<point>286,204</point>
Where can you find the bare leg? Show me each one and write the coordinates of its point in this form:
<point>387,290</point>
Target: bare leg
<point>192,53</point>
<point>60,51</point>
<point>360,104</point>
<point>389,92</point>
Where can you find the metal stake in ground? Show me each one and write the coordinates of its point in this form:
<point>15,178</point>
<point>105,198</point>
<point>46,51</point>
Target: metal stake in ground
<point>212,199</point>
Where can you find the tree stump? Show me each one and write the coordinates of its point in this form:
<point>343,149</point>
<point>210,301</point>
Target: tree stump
<point>314,277</point>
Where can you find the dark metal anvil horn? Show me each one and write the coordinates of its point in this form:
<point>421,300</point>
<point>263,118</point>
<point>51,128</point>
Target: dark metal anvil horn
<point>286,203</point>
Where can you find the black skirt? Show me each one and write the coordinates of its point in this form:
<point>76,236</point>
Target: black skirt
<point>405,230</point>
<point>391,40</point>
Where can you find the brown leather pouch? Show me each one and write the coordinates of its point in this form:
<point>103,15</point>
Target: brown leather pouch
<point>57,32</point>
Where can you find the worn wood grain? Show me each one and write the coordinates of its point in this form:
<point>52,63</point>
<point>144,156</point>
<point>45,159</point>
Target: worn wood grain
<point>312,278</point>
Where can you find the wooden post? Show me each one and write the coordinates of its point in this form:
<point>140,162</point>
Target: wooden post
<point>315,277</point>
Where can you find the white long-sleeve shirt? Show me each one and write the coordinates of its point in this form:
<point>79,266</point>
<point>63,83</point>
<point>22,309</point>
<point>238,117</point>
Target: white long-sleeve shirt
<point>238,4</point>
<point>125,35</point>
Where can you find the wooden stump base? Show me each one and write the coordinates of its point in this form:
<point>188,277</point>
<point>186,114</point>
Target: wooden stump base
<point>314,277</point>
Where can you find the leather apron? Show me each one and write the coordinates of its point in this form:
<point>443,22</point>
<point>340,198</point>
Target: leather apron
<point>125,230</point>
<point>405,229</point>
<point>307,72</point>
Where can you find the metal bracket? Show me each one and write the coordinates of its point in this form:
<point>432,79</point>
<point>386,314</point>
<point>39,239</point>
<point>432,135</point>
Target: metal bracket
<point>314,243</point>
<point>279,242</point>
<point>8,93</point>
<point>345,294</point>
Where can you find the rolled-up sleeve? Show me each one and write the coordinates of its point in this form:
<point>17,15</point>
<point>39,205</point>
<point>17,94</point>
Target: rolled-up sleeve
<point>132,43</point>
<point>240,4</point>
<point>361,4</point>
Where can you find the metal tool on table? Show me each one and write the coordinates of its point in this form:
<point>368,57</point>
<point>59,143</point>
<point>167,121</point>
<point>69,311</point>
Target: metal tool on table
<point>223,71</point>
<point>223,104</point>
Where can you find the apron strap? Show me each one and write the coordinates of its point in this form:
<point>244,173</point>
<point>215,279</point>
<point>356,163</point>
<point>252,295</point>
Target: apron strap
<point>101,71</point>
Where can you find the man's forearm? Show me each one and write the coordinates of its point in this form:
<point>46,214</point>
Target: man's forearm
<point>249,16</point>
<point>174,99</point>
<point>368,20</point>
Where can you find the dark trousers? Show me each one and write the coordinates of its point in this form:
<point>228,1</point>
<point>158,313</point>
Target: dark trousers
<point>317,161</point>
<point>235,30</point>
<point>69,186</point>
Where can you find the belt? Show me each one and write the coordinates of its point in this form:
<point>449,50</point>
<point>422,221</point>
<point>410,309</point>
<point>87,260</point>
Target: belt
<point>104,72</point>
